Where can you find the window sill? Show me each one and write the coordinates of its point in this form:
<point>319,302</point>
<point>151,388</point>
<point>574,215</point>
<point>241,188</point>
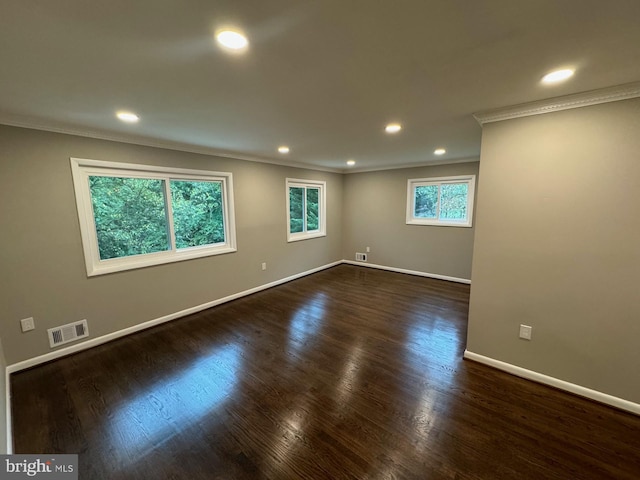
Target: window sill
<point>304,236</point>
<point>439,224</point>
<point>149,260</point>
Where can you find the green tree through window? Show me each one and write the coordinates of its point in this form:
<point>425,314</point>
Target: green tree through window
<point>426,201</point>
<point>453,201</point>
<point>312,209</point>
<point>197,213</point>
<point>296,210</point>
<point>131,218</point>
<point>304,210</point>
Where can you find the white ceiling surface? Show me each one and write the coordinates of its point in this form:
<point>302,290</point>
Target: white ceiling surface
<point>323,77</point>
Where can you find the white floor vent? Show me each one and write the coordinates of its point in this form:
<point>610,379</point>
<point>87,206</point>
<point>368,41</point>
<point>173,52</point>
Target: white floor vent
<point>67,333</point>
<point>361,257</point>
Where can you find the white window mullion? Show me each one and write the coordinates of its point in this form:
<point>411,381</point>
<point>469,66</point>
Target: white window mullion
<point>225,213</point>
<point>304,210</point>
<point>88,227</point>
<point>320,211</point>
<point>169,213</point>
<point>288,199</point>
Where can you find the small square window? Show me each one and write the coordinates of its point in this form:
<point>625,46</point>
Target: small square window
<point>305,209</point>
<point>445,201</point>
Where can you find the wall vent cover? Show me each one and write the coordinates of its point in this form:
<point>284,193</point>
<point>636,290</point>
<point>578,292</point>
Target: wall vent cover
<point>68,333</point>
<point>361,257</point>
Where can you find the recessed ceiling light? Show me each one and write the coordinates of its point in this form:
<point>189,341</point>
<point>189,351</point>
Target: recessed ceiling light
<point>128,117</point>
<point>351,163</point>
<point>283,149</point>
<point>439,151</point>
<point>558,75</point>
<point>393,128</point>
<point>232,39</point>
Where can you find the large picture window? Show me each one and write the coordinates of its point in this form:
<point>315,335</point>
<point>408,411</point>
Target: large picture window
<point>134,216</point>
<point>305,209</point>
<point>445,201</point>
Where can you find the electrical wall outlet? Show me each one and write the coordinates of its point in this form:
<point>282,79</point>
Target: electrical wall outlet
<point>264,265</point>
<point>361,257</point>
<point>368,249</point>
<point>27,324</point>
<point>525,332</point>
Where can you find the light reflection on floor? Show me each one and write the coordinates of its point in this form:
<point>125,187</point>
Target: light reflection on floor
<point>306,322</point>
<point>434,339</point>
<point>286,442</point>
<point>425,418</point>
<point>349,375</point>
<point>427,341</point>
<point>166,408</point>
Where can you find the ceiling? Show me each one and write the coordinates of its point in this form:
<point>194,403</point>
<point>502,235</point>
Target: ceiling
<point>323,77</point>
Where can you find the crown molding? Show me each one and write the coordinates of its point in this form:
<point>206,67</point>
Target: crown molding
<point>577,100</point>
<point>405,166</point>
<point>27,122</point>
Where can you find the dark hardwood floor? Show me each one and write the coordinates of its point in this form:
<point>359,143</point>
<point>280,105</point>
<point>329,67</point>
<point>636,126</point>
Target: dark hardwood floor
<point>350,373</point>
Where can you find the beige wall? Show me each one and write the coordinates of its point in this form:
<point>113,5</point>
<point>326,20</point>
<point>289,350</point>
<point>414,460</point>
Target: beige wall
<point>557,246</point>
<point>375,216</point>
<point>43,273</point>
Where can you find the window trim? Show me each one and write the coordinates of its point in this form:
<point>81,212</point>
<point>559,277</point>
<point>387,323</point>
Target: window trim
<point>82,168</point>
<point>412,183</point>
<point>322,206</point>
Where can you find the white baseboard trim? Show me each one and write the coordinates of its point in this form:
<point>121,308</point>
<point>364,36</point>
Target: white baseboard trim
<point>63,352</point>
<point>555,382</point>
<point>410,272</point>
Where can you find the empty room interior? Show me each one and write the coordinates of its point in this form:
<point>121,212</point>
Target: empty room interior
<point>281,239</point>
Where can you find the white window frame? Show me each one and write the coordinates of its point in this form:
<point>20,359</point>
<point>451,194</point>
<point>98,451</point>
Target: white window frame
<point>81,169</point>
<point>322,206</point>
<point>412,183</point>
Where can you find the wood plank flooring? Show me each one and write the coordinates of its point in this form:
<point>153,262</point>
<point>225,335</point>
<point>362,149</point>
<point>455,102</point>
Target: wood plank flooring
<point>350,373</point>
